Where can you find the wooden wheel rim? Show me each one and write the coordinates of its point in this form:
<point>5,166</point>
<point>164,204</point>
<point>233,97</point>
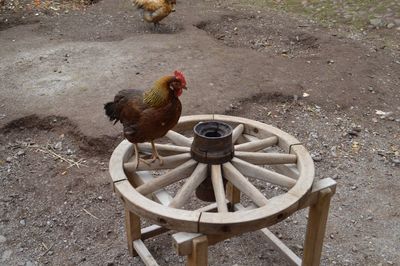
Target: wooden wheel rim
<point>275,210</point>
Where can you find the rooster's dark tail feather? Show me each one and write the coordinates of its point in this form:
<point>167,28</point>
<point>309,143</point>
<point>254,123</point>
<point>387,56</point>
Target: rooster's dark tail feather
<point>111,111</point>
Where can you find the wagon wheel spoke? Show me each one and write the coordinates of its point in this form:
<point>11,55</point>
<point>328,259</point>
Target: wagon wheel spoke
<point>179,139</point>
<point>266,158</point>
<point>194,180</point>
<point>218,187</point>
<point>168,178</point>
<point>257,145</point>
<point>169,162</point>
<point>163,149</point>
<point>237,132</point>
<point>263,174</point>
<point>240,182</point>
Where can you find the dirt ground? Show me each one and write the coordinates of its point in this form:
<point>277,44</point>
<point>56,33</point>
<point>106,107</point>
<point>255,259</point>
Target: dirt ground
<point>336,89</point>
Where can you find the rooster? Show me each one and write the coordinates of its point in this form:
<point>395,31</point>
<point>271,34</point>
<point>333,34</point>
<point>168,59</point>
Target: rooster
<point>148,115</point>
<point>155,10</point>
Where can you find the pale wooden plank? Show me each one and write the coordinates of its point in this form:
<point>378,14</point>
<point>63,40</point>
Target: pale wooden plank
<point>218,187</point>
<point>168,178</point>
<point>184,193</point>
<point>132,227</point>
<point>274,241</point>
<point>178,139</point>
<point>163,149</point>
<point>239,181</point>
<point>199,255</point>
<point>263,174</point>
<point>152,230</point>
<point>144,253</point>
<point>317,218</point>
<point>257,145</point>
<point>237,132</point>
<point>261,158</point>
<point>232,194</point>
<point>169,162</point>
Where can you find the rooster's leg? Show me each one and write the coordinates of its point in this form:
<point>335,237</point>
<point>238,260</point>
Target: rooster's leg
<point>136,154</point>
<point>155,153</point>
<point>154,157</point>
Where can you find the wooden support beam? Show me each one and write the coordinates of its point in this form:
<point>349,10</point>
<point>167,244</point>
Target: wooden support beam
<point>144,253</point>
<point>178,139</point>
<point>199,254</point>
<point>152,230</point>
<point>274,241</point>
<point>232,194</point>
<point>317,218</point>
<point>218,186</point>
<point>132,227</point>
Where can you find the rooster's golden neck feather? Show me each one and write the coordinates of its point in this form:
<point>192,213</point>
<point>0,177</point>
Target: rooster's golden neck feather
<point>160,93</point>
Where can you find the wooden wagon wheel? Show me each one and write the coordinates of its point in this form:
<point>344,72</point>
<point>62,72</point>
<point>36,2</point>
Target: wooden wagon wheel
<point>292,169</point>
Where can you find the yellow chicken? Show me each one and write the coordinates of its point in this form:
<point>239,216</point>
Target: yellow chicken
<point>155,10</point>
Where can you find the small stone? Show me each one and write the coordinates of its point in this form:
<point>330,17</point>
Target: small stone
<point>22,222</point>
<point>331,236</point>
<point>58,145</point>
<point>376,22</point>
<point>316,157</point>
<point>2,239</point>
<point>390,25</point>
<point>353,187</point>
<point>395,160</point>
<point>354,249</point>
<point>69,152</point>
<point>29,263</point>
<point>279,235</point>
<point>299,247</point>
<point>21,152</point>
<point>330,62</point>
<point>6,254</point>
<point>50,253</point>
<point>9,159</point>
<point>390,262</point>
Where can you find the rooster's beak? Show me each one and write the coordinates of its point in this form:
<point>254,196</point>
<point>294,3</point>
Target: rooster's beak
<point>185,88</point>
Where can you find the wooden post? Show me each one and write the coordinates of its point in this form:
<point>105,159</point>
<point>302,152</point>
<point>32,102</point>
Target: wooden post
<point>199,256</point>
<point>317,219</point>
<point>132,227</point>
<point>232,194</point>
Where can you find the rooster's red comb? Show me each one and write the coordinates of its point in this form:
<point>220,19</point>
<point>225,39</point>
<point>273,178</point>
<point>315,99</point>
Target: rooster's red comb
<point>179,75</point>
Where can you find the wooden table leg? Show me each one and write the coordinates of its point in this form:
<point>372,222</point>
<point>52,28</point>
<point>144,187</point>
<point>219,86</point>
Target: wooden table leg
<point>132,227</point>
<point>317,219</point>
<point>199,256</point>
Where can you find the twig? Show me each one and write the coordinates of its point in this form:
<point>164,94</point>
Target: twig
<point>56,155</point>
<point>47,250</point>
<point>90,213</point>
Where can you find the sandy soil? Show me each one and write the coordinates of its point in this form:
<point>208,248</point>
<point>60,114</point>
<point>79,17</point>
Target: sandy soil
<point>323,86</point>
